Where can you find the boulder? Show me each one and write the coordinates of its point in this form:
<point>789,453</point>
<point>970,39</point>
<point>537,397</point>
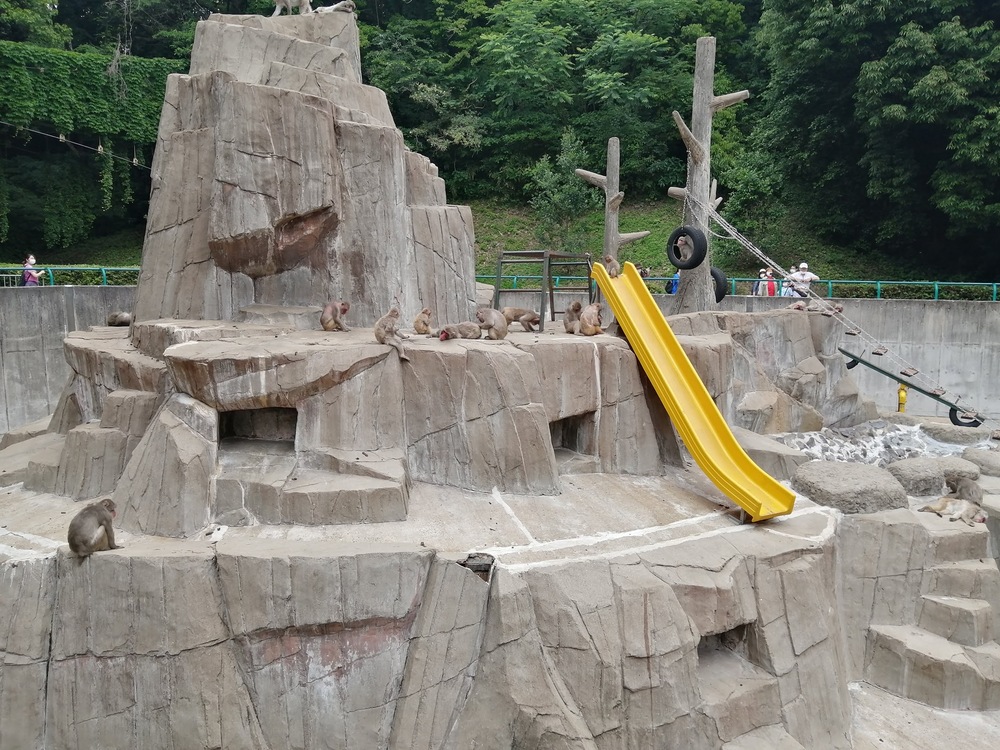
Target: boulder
<point>851,488</point>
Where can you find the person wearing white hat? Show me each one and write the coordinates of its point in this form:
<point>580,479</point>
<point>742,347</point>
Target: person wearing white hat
<point>801,280</point>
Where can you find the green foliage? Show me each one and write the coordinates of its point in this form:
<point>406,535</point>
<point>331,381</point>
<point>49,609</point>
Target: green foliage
<point>32,21</point>
<point>70,92</point>
<point>560,196</point>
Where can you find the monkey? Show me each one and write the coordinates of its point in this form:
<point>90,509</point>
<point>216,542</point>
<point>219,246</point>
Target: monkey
<point>493,322</point>
<point>387,332</point>
<point>684,247</point>
<point>90,530</point>
<point>957,509</point>
<point>571,318</point>
<point>797,306</point>
<point>346,6</point>
<point>613,266</point>
<point>120,319</point>
<point>964,488</point>
<point>466,330</point>
<point>332,317</point>
<point>422,323</point>
<point>527,318</point>
<point>590,320</point>
<point>303,6</point>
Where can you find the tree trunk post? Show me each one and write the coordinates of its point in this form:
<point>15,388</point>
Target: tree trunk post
<point>696,290</point>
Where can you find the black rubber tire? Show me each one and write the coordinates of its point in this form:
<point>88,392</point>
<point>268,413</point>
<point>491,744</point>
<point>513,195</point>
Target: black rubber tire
<point>698,243</point>
<point>957,420</point>
<point>852,364</point>
<point>721,284</point>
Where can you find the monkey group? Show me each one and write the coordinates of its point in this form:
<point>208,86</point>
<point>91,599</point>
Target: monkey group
<point>91,531</point>
<point>964,503</point>
<point>585,321</point>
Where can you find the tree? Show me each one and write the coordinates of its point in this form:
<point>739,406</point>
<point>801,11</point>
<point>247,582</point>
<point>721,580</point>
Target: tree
<point>31,21</point>
<point>560,196</point>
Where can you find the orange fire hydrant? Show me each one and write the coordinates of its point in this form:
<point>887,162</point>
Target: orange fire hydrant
<point>901,396</point>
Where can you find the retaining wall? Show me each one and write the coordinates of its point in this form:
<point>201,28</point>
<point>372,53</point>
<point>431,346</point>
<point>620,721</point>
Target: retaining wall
<point>33,323</point>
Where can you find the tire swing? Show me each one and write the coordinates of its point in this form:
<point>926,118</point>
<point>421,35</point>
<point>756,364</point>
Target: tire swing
<point>958,420</point>
<point>699,248</point>
<point>721,284</point>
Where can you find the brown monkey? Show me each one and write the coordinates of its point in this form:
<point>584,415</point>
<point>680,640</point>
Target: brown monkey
<point>956,509</point>
<point>120,319</point>
<point>387,332</point>
<point>332,317</point>
<point>493,322</point>
<point>467,330</point>
<point>964,488</point>
<point>613,266</point>
<point>90,530</point>
<point>590,320</point>
<point>571,318</point>
<point>527,318</point>
<point>422,323</point>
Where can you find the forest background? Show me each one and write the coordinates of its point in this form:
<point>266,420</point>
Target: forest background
<point>870,146</point>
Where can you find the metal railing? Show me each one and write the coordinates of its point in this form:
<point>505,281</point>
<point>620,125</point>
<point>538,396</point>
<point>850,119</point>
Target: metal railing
<point>856,288</point>
<point>74,275</point>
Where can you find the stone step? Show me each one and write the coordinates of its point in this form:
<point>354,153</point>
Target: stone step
<point>737,695</point>
<point>968,622</point>
<point>772,737</point>
<point>954,541</point>
<point>913,663</point>
<point>315,497</point>
<point>976,579</point>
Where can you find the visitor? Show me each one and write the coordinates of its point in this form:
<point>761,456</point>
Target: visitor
<point>755,289</point>
<point>787,290</point>
<point>801,280</point>
<point>767,287</point>
<point>29,276</point>
<point>674,281</point>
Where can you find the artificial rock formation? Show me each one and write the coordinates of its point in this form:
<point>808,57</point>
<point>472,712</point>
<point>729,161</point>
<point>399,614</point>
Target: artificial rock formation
<point>492,544</point>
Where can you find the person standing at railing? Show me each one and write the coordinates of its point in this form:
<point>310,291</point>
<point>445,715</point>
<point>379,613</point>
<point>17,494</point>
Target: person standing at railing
<point>29,276</point>
<point>787,290</point>
<point>755,288</point>
<point>801,280</point>
<point>767,287</point>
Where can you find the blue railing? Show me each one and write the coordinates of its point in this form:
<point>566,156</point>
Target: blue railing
<point>843,287</point>
<point>74,275</point>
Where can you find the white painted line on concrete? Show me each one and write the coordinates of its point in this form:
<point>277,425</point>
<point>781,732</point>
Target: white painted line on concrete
<point>609,536</point>
<point>523,567</point>
<point>510,512</point>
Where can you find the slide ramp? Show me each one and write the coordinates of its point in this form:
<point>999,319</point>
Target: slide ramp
<point>693,412</point>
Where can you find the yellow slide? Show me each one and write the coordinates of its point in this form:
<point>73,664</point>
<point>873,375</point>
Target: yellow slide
<point>692,410</point>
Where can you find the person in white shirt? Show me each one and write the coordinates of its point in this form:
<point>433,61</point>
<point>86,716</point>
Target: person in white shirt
<point>801,280</point>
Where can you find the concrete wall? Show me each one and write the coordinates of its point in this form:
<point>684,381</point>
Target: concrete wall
<point>33,323</point>
<point>954,344</point>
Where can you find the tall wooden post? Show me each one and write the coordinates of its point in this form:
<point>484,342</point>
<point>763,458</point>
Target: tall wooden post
<point>697,288</point>
<point>613,198</point>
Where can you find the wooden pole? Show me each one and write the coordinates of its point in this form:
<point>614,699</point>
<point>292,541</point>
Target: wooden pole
<point>697,287</point>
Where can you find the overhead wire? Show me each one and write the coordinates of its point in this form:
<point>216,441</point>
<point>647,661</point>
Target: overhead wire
<point>63,139</point>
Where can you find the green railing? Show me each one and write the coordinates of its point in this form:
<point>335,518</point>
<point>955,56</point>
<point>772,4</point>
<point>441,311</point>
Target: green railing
<point>74,275</point>
<point>851,288</point>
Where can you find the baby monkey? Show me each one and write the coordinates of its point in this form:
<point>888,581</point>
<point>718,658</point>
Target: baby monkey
<point>422,323</point>
<point>613,267</point>
<point>90,530</point>
<point>332,317</point>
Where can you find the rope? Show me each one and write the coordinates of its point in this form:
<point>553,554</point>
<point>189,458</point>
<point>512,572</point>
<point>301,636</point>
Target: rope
<point>836,312</point>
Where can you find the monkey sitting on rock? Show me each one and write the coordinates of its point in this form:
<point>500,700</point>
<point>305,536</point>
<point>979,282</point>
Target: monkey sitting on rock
<point>590,320</point>
<point>571,318</point>
<point>422,323</point>
<point>332,317</point>
<point>964,488</point>
<point>493,322</point>
<point>90,530</point>
<point>387,332</point>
